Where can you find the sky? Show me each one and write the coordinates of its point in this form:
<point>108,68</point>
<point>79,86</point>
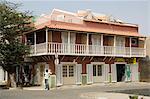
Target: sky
<point>129,11</point>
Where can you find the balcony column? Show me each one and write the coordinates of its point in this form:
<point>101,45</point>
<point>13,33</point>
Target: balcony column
<point>34,42</point>
<point>114,45</point>
<point>46,40</point>
<point>130,46</point>
<point>69,42</point>
<point>87,43</point>
<point>102,51</point>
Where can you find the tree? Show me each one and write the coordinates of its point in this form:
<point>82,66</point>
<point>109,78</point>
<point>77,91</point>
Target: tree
<point>13,24</point>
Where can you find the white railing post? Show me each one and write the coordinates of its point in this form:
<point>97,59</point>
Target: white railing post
<point>69,42</point>
<point>46,40</point>
<point>87,43</point>
<point>114,48</point>
<point>102,51</point>
<point>130,46</point>
<point>34,42</point>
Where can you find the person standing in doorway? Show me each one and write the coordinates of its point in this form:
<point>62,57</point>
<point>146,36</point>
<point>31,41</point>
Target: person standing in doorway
<point>46,77</point>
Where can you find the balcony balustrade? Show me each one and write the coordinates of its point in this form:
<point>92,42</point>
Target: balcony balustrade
<point>86,50</point>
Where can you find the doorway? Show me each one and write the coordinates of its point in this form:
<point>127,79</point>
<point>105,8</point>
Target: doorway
<point>97,73</point>
<point>120,72</point>
<point>68,72</point>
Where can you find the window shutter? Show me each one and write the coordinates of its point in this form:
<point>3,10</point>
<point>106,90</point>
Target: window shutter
<point>106,72</point>
<point>78,72</point>
<point>134,72</point>
<point>89,68</point>
<point>59,78</point>
<point>113,73</point>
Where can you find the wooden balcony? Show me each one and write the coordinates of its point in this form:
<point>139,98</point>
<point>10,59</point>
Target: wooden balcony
<point>85,50</point>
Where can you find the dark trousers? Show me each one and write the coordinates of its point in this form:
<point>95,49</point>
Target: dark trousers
<point>46,84</point>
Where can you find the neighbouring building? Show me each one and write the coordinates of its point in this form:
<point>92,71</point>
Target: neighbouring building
<point>3,76</point>
<point>84,48</point>
<point>145,62</point>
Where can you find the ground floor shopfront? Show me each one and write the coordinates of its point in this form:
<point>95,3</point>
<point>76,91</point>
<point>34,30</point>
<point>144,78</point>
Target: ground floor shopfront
<point>86,70</point>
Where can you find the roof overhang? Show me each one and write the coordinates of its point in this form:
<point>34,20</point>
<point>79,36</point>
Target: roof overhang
<point>78,27</point>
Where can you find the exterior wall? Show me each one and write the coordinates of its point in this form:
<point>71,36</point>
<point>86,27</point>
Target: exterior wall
<point>109,72</point>
<point>68,17</point>
<point>108,28</point>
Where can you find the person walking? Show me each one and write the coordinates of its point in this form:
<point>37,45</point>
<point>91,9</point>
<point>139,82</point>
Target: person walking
<point>46,77</point>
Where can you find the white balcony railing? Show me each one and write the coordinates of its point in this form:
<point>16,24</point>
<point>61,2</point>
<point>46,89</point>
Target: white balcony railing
<point>83,49</point>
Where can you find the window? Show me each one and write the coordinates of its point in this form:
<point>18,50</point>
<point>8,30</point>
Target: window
<point>94,70</point>
<point>97,70</point>
<point>71,71</point>
<point>68,71</point>
<point>64,71</point>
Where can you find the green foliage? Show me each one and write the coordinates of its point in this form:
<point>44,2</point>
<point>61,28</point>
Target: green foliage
<point>13,24</point>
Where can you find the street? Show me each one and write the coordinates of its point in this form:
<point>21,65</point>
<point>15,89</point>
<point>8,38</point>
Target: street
<point>70,92</point>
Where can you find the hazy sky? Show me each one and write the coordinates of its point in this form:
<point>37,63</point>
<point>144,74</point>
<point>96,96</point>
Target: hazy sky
<point>130,11</point>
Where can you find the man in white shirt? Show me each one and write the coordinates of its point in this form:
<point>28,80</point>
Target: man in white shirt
<point>46,77</point>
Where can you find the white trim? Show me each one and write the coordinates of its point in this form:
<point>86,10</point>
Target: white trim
<point>97,63</point>
<point>62,11</point>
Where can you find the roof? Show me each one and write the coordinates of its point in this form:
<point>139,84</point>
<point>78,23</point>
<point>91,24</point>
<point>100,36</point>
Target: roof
<point>88,27</point>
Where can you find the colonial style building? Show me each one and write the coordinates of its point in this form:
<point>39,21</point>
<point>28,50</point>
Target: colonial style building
<point>84,48</point>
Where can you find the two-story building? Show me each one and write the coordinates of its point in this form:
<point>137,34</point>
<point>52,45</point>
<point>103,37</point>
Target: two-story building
<point>84,48</point>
